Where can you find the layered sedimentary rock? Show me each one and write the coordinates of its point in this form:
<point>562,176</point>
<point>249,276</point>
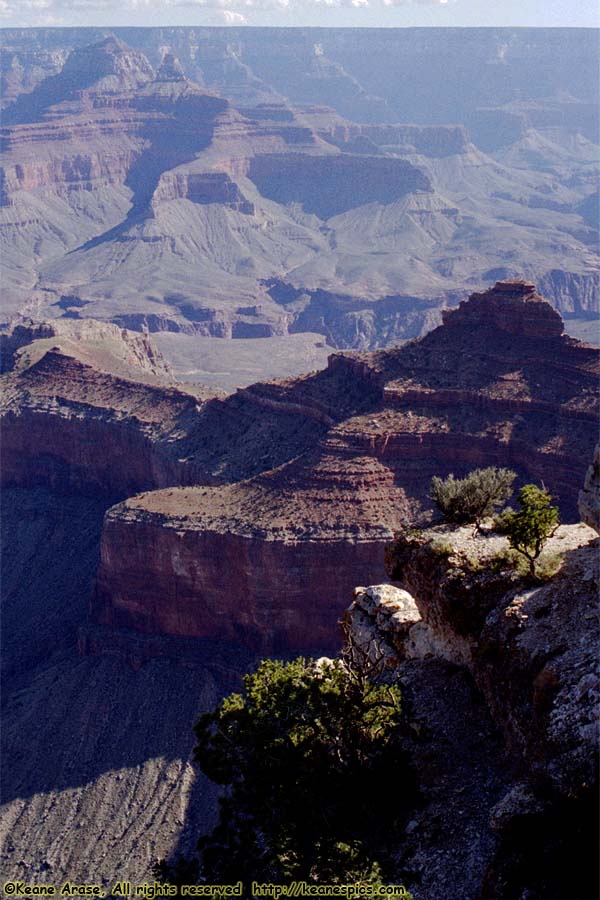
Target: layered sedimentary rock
<point>257,558</point>
<point>171,181</point>
<point>328,186</point>
<point>85,407</point>
<point>205,187</point>
<point>513,307</point>
<point>313,474</point>
<point>108,96</point>
<point>427,140</point>
<point>177,574</point>
<point>117,350</point>
<point>21,70</point>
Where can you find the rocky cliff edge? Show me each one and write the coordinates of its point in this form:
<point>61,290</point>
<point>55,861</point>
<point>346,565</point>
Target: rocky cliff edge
<point>512,760</point>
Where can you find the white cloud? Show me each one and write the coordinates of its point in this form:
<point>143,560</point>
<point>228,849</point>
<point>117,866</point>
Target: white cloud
<point>15,7</point>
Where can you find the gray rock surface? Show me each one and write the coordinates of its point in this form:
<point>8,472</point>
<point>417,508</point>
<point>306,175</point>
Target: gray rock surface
<point>589,498</point>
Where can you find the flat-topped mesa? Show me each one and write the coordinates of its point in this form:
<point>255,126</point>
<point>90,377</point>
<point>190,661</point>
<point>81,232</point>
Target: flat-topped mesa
<point>513,306</point>
<point>202,188</point>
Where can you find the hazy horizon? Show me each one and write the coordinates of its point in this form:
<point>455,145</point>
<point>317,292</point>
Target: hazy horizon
<point>298,13</point>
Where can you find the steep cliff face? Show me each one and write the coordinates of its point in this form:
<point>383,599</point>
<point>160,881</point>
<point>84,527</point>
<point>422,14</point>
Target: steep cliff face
<point>376,428</point>
<point>88,408</point>
<point>455,748</point>
<point>434,141</point>
<point>315,473</point>
<point>589,498</point>
<point>328,186</point>
<point>528,651</point>
<point>178,576</point>
<point>205,187</point>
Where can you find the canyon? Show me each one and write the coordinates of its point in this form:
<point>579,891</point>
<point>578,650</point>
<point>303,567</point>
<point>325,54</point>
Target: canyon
<point>302,529</point>
<point>256,293</point>
<point>209,184</point>
<point>236,512</point>
<point>158,538</point>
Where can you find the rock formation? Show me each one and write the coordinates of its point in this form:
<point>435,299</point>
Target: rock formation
<point>589,498</point>
<point>84,408</point>
<point>172,179</point>
<point>128,201</point>
<point>470,393</point>
<point>260,512</point>
<point>531,654</point>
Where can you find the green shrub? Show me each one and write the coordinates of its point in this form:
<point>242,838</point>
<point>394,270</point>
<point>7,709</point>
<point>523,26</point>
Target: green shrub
<point>502,520</point>
<point>502,560</point>
<point>474,498</point>
<point>472,564</point>
<point>441,548</point>
<point>548,565</point>
<point>316,781</point>
<point>529,528</point>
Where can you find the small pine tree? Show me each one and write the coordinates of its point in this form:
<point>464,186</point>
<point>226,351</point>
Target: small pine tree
<point>316,779</point>
<point>474,498</point>
<point>529,528</point>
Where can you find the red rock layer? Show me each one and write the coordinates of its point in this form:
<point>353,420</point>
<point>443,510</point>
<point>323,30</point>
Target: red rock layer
<point>275,555</point>
<point>71,427</point>
<point>169,576</point>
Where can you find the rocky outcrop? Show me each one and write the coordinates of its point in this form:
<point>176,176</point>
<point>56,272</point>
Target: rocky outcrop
<point>69,425</point>
<point>205,187</point>
<point>528,651</point>
<point>530,648</point>
<point>512,306</point>
<point>383,627</point>
<point>102,343</point>
<point>455,750</point>
<point>589,498</point>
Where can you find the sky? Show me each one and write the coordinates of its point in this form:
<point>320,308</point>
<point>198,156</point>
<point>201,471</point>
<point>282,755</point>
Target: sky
<point>330,13</point>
